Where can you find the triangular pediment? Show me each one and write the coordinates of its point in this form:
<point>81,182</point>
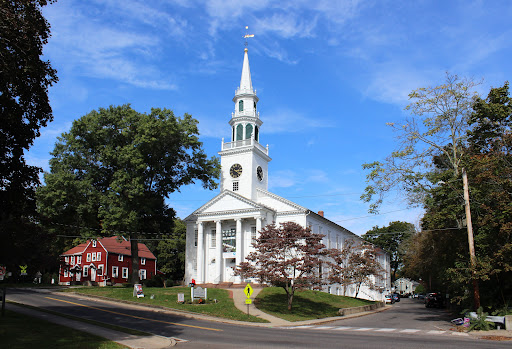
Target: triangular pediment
<point>227,201</point>
<point>277,203</point>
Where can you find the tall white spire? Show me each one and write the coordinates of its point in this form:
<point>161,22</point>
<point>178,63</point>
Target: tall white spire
<point>245,80</point>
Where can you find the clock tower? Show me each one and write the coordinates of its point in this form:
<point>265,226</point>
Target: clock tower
<point>244,161</point>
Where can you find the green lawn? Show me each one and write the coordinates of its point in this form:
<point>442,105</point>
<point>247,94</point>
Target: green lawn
<point>167,297</point>
<point>307,305</point>
<point>21,331</point>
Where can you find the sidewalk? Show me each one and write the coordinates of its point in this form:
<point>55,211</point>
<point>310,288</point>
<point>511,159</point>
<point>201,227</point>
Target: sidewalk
<point>132,341</point>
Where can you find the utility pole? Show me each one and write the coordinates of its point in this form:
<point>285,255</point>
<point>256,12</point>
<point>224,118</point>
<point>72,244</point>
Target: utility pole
<point>476,291</point>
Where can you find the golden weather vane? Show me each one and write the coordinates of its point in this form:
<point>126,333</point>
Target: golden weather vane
<point>247,35</point>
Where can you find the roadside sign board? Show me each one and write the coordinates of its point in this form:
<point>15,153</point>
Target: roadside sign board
<point>248,290</point>
<point>137,291</point>
<point>248,301</point>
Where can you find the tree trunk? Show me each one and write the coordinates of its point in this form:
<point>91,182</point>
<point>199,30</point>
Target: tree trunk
<point>135,261</point>
<point>290,300</point>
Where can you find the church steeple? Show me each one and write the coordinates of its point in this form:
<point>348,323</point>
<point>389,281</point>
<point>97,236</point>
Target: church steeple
<point>245,81</point>
<point>245,121</point>
<point>244,161</point>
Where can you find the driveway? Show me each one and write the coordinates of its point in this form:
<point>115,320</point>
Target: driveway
<point>406,314</point>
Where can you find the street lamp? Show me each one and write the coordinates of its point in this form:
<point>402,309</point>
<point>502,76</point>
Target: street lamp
<point>469,225</point>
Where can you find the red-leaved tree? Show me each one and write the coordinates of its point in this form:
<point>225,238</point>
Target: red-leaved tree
<point>287,256</point>
<point>355,264</point>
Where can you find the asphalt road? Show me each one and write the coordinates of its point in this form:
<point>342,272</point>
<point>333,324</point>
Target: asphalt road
<point>362,332</point>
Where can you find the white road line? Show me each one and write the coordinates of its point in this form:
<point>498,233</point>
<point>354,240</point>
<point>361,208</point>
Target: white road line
<point>364,329</point>
<point>323,327</point>
<point>342,328</point>
<point>304,326</point>
<point>409,330</point>
<point>385,330</point>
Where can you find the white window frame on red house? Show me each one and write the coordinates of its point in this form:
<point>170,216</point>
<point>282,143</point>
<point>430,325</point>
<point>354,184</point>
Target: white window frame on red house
<point>125,273</point>
<point>142,274</point>
<point>72,260</point>
<point>88,259</point>
<point>100,270</point>
<point>115,272</point>
<point>65,273</point>
<point>98,256</point>
<point>143,261</point>
<point>120,258</point>
<point>78,259</point>
<point>93,243</point>
<point>93,257</point>
<point>86,270</point>
<point>66,259</point>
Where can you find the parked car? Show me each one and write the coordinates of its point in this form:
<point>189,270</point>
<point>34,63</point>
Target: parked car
<point>434,299</point>
<point>396,297</point>
<point>389,299</point>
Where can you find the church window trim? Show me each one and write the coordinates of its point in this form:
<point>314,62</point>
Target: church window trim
<point>241,105</point>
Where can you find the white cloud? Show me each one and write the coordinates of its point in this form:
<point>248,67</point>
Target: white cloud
<point>95,48</point>
<point>283,179</point>
<point>289,121</point>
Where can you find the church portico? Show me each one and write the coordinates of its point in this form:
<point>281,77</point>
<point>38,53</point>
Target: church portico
<point>221,244</point>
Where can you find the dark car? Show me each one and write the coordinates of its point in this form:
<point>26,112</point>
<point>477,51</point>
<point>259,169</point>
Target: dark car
<point>434,300</point>
<point>396,297</point>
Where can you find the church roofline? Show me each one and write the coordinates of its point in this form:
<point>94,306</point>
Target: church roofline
<point>256,206</point>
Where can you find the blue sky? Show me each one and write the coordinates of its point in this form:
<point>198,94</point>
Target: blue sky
<point>329,75</point>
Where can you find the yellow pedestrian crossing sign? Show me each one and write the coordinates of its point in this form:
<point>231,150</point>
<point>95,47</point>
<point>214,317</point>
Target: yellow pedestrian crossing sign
<point>248,290</point>
<point>248,301</point>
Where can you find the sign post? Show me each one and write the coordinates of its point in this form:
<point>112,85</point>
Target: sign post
<point>248,292</point>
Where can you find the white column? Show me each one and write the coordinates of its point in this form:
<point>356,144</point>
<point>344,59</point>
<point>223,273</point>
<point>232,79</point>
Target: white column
<point>200,254</point>
<point>258,226</point>
<point>239,244</point>
<point>219,259</point>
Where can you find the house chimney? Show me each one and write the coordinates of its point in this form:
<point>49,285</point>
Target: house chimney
<point>321,213</point>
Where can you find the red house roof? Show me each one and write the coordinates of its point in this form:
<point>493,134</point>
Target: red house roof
<point>77,249</point>
<point>113,245</point>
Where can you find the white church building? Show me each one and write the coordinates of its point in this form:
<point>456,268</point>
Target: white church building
<point>220,233</point>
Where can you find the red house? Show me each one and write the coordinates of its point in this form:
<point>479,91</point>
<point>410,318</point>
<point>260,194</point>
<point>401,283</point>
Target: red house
<point>104,261</point>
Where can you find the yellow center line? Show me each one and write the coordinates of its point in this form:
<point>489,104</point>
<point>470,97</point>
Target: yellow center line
<point>134,316</point>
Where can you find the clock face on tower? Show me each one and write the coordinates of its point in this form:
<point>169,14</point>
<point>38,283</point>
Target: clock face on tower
<point>235,171</point>
<point>259,173</point>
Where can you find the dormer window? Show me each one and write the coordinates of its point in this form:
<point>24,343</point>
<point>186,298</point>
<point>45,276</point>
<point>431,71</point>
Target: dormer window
<point>241,106</point>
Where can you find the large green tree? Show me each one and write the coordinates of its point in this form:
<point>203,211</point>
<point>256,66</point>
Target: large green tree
<point>24,108</point>
<point>111,173</point>
<point>171,252</point>
<point>439,254</point>
<point>392,239</point>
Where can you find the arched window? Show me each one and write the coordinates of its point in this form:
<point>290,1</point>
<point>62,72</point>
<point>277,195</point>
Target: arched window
<point>254,106</point>
<point>257,134</point>
<point>239,132</point>
<point>241,105</point>
<point>248,131</point>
